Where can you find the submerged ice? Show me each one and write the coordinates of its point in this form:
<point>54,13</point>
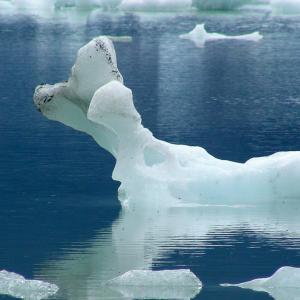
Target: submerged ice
<point>200,36</point>
<point>94,100</point>
<point>283,284</point>
<point>17,286</point>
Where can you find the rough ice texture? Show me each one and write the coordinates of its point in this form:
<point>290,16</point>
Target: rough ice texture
<point>17,286</point>
<point>153,172</point>
<point>199,36</point>
<point>147,284</point>
<point>155,4</point>
<point>282,285</point>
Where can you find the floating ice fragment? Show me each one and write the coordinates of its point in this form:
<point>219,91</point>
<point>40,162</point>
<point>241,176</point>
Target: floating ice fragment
<point>17,286</point>
<point>200,36</point>
<point>283,284</point>
<point>121,38</point>
<point>169,278</point>
<point>167,284</point>
<point>153,172</point>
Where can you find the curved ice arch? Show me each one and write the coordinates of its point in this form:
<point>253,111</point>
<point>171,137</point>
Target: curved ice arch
<point>94,100</point>
<point>200,36</point>
<point>283,284</point>
<point>15,285</point>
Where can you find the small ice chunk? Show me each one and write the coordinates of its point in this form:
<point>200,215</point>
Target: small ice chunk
<point>283,284</point>
<point>200,36</point>
<point>169,278</point>
<point>17,286</point>
<point>167,284</point>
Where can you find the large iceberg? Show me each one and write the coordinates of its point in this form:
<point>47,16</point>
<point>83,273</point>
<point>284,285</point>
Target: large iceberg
<point>166,284</point>
<point>200,36</point>
<point>283,284</point>
<point>17,286</point>
<point>151,171</point>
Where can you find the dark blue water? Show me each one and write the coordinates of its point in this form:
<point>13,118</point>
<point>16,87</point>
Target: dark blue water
<point>59,214</point>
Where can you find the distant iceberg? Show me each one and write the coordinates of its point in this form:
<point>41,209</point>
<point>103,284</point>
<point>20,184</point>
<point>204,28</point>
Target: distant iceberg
<point>153,172</point>
<point>200,36</point>
<point>219,4</point>
<point>17,286</point>
<point>282,285</point>
<point>166,284</point>
<point>155,4</point>
<point>285,6</point>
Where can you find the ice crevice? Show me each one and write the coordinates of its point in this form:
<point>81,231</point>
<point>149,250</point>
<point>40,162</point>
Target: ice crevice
<point>153,172</point>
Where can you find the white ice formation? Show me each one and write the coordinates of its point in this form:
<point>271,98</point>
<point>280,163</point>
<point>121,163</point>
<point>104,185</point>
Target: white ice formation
<point>17,286</point>
<point>151,171</point>
<point>219,4</point>
<point>199,36</point>
<point>166,284</point>
<point>282,285</point>
<point>155,4</point>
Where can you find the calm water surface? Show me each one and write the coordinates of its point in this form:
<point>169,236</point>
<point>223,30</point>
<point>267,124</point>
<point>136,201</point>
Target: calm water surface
<point>59,214</point>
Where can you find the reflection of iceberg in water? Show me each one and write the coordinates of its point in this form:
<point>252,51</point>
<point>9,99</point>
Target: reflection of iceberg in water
<point>17,286</point>
<point>200,36</point>
<point>138,240</point>
<point>283,284</point>
<point>151,171</point>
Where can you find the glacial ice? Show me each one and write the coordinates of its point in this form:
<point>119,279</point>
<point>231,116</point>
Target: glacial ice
<point>17,286</point>
<point>168,278</point>
<point>153,172</point>
<point>166,284</point>
<point>219,4</point>
<point>155,4</point>
<point>285,6</point>
<point>200,36</point>
<point>283,284</point>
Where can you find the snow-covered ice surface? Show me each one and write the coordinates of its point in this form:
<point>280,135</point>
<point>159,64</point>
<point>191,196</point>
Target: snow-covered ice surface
<point>282,285</point>
<point>151,171</point>
<point>17,286</point>
<point>200,36</point>
<point>166,284</point>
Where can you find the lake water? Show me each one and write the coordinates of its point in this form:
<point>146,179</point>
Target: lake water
<point>60,217</point>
